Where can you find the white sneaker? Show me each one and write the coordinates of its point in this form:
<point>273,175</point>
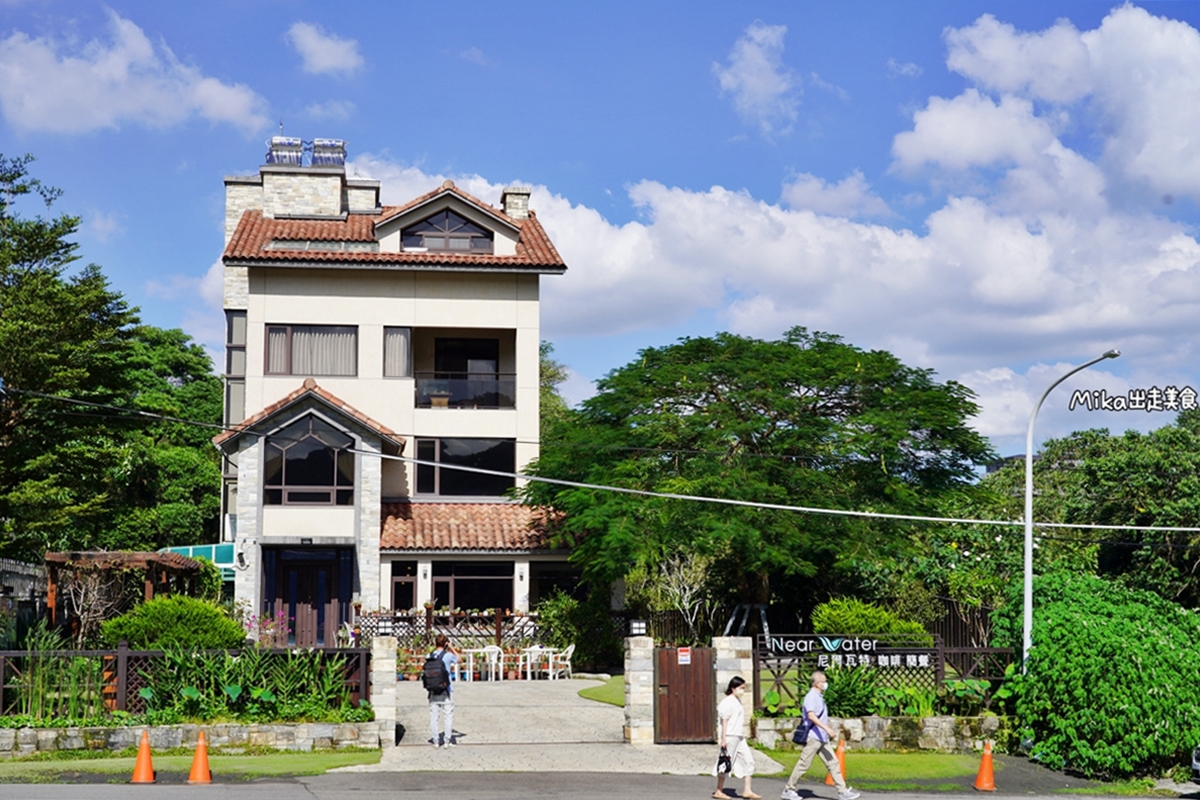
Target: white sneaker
<point>849,794</point>
<point>790,794</point>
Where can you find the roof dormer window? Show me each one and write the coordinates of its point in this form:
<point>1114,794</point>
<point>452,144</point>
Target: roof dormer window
<point>447,232</point>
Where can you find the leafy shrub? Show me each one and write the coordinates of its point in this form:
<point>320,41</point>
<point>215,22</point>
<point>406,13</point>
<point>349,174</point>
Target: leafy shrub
<point>773,706</point>
<point>564,620</point>
<point>1111,687</point>
<point>209,583</point>
<point>174,621</point>
<point>856,618</point>
<point>904,701</point>
<point>257,685</point>
<point>851,691</point>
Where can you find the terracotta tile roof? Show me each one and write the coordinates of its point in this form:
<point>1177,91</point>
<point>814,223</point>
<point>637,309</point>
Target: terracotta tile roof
<point>255,232</point>
<point>462,526</point>
<point>310,387</point>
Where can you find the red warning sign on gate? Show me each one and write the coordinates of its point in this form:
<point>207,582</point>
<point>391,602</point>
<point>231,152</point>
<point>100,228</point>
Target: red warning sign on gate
<point>685,655</point>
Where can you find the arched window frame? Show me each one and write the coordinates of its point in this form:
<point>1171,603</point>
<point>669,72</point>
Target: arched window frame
<point>447,231</point>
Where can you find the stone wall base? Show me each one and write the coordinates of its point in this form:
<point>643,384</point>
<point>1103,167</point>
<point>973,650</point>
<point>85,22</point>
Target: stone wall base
<point>282,736</point>
<point>938,734</point>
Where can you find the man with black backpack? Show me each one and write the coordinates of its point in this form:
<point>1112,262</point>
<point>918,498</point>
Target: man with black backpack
<point>437,677</point>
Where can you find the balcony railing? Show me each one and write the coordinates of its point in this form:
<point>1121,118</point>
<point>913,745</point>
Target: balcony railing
<point>466,390</point>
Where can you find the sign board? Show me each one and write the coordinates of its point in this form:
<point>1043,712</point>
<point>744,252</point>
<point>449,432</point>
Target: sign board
<point>684,655</point>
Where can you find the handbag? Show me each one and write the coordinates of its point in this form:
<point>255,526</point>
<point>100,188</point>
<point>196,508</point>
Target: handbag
<point>724,763</point>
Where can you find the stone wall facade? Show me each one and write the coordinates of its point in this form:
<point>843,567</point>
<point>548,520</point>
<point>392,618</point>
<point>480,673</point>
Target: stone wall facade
<point>938,734</point>
<point>301,736</point>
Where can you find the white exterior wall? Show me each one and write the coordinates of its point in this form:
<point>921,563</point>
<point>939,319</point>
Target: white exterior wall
<point>432,303</point>
<point>373,300</point>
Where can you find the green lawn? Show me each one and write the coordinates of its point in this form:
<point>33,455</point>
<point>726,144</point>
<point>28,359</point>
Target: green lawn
<point>611,691</point>
<point>44,769</point>
<point>891,771</point>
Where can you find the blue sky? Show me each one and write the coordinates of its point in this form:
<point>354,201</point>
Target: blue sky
<point>995,191</point>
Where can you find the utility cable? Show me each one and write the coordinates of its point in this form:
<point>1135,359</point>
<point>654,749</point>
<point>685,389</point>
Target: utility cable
<point>646,492</point>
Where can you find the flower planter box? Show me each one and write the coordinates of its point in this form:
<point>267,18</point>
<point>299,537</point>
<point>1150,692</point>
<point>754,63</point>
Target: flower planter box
<point>938,734</point>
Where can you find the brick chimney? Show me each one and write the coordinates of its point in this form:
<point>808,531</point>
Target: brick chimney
<point>515,201</point>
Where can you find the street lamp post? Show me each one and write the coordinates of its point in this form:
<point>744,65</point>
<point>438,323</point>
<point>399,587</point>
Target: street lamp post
<point>1029,504</point>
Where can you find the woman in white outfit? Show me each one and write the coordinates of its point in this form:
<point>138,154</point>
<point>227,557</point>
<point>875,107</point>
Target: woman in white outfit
<point>731,720</point>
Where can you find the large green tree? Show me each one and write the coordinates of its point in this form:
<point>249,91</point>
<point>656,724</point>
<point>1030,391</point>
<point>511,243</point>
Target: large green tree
<point>806,420</point>
<point>1088,477</point>
<point>76,476</point>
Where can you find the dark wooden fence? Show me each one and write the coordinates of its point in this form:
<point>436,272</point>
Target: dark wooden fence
<point>785,661</point>
<point>122,674</point>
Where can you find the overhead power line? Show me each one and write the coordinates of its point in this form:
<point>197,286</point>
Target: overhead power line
<point>836,512</point>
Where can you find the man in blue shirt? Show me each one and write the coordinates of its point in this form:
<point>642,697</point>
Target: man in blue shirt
<point>820,739</point>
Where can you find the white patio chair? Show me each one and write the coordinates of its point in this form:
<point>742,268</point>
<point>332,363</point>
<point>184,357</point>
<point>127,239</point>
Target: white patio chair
<point>560,663</point>
<point>492,663</point>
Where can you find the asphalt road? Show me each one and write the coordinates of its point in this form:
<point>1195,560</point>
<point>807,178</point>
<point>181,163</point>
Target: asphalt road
<point>456,785</point>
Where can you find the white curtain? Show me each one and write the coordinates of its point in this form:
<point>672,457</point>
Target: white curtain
<point>324,350</point>
<point>277,351</point>
<point>395,353</point>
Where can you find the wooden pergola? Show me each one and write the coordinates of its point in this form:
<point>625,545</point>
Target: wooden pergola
<point>161,568</point>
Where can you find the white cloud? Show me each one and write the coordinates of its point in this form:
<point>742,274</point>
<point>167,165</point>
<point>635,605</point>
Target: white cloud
<point>1050,65</point>
<point>850,197</point>
<point>970,131</point>
<point>323,52</point>
<point>765,91</point>
<point>903,70</point>
<point>103,225</point>
<point>204,300</point>
<point>475,56</point>
<point>46,86</point>
<point>1137,75</point>
<point>331,109</point>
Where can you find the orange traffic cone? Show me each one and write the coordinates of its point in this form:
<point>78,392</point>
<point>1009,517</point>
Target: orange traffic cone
<point>143,768</point>
<point>841,757</point>
<point>200,772</point>
<point>986,780</point>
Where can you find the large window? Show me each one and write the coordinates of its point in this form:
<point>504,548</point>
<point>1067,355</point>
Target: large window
<point>309,462</point>
<point>466,375</point>
<point>436,478</point>
<point>473,585</point>
<point>312,350</point>
<point>447,232</point>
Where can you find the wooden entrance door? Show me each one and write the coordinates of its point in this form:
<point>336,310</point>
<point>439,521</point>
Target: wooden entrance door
<point>311,605</point>
<point>685,703</point>
<point>309,590</point>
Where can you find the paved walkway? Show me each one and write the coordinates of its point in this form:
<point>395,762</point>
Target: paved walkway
<point>534,726</point>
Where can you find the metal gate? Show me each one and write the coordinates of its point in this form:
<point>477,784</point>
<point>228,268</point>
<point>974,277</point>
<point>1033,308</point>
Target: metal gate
<point>685,703</point>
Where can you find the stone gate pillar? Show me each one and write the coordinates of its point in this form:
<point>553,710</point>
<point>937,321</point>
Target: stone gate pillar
<point>639,690</point>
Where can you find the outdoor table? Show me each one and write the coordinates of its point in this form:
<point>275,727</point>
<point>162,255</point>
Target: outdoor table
<point>538,652</point>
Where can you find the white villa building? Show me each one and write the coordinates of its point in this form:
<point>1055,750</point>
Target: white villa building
<point>356,333</point>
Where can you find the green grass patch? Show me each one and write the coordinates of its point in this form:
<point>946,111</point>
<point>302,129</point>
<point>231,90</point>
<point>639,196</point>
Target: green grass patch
<point>892,771</point>
<point>612,691</point>
<point>240,766</point>
<point>1134,787</point>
